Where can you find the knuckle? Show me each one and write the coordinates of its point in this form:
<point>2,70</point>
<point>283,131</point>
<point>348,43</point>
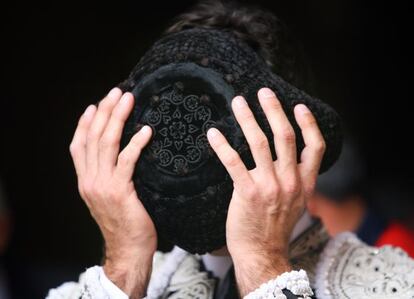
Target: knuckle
<point>232,159</point>
<point>107,140</point>
<point>220,146</point>
<point>118,114</point>
<point>261,142</point>
<point>113,194</point>
<point>292,187</point>
<point>92,135</point>
<point>288,134</point>
<point>310,121</point>
<point>320,146</point>
<point>74,148</point>
<point>98,190</point>
<point>251,192</point>
<point>124,159</point>
<point>271,190</point>
<point>275,105</point>
<point>249,118</point>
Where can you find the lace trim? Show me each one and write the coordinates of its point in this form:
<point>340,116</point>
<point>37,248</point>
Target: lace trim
<point>160,279</point>
<point>295,281</point>
<point>348,268</point>
<point>66,290</point>
<point>89,287</point>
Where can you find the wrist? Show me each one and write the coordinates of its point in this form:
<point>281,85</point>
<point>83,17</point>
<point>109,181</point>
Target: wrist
<point>131,273</point>
<point>252,270</point>
<point>121,254</point>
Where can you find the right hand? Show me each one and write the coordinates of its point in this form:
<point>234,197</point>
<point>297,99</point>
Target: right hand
<point>267,201</point>
<point>105,184</point>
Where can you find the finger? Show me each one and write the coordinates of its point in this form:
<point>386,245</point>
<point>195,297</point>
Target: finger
<point>96,129</point>
<point>255,137</point>
<point>78,144</point>
<point>111,138</point>
<point>312,154</point>
<point>130,154</point>
<point>284,135</point>
<point>229,157</point>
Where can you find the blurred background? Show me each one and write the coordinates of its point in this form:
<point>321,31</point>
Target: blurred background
<point>59,58</point>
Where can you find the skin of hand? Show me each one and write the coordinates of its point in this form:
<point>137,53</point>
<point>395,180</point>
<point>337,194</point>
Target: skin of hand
<point>268,200</point>
<point>105,184</point>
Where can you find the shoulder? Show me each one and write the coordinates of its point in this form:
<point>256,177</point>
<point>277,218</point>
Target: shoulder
<point>348,268</point>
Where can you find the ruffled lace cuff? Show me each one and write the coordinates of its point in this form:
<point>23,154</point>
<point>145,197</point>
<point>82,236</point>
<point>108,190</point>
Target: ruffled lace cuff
<point>296,282</point>
<point>92,284</point>
<point>111,289</point>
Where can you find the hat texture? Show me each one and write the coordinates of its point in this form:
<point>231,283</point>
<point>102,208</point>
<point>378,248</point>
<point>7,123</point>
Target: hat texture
<point>183,86</point>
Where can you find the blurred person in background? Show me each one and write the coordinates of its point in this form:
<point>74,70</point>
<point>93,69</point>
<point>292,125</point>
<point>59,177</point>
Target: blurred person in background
<point>393,197</point>
<point>4,240</point>
<point>378,213</point>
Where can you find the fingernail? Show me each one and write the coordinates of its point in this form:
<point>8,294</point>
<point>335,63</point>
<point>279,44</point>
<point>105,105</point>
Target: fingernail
<point>212,133</point>
<point>124,99</point>
<point>89,110</point>
<point>266,93</point>
<point>240,102</point>
<point>113,92</point>
<point>302,109</point>
<point>145,129</point>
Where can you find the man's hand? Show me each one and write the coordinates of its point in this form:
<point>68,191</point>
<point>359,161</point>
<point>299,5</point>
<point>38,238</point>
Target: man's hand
<point>268,200</point>
<point>105,184</point>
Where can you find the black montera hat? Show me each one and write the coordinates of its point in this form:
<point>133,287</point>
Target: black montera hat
<point>184,85</point>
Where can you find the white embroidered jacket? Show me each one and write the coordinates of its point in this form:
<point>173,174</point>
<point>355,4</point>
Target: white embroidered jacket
<point>342,267</point>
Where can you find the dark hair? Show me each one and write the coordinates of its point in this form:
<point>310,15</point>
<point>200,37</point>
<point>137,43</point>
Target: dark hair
<point>260,29</point>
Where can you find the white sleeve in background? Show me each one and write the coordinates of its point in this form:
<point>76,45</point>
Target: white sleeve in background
<point>110,288</point>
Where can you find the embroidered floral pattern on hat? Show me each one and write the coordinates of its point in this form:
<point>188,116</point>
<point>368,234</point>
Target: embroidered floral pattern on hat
<point>180,123</point>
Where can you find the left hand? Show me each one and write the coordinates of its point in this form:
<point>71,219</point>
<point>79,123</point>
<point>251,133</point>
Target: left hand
<point>268,200</point>
<point>105,181</point>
